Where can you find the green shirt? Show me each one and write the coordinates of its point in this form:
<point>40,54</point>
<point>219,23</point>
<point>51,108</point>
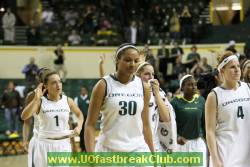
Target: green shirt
<point>83,104</point>
<point>190,116</point>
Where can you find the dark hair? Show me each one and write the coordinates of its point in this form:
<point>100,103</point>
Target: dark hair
<point>46,77</point>
<point>121,52</point>
<point>42,73</point>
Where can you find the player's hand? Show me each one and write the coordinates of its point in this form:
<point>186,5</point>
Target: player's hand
<point>77,130</point>
<point>39,91</point>
<point>181,140</point>
<point>102,58</point>
<point>25,146</point>
<point>155,85</point>
<point>217,163</point>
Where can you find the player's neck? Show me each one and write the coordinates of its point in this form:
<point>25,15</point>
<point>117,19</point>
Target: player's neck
<point>230,85</point>
<point>52,97</point>
<point>123,78</point>
<point>188,97</point>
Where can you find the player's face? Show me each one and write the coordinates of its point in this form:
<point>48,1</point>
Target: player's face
<point>147,73</point>
<point>190,87</point>
<point>129,61</point>
<point>54,85</point>
<point>232,71</point>
<point>246,72</point>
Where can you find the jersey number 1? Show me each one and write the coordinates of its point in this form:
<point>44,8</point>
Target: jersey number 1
<point>240,113</point>
<point>57,122</point>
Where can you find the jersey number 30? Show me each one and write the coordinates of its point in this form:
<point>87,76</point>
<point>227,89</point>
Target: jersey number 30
<point>128,107</point>
<point>240,113</point>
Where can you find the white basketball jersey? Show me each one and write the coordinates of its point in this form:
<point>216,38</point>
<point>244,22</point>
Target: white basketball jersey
<point>121,123</point>
<point>53,117</point>
<point>164,133</point>
<point>35,126</point>
<point>233,122</point>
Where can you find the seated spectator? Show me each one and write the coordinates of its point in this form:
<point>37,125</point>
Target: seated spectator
<point>193,57</point>
<point>163,54</point>
<point>47,16</point>
<point>179,68</point>
<point>74,38</point>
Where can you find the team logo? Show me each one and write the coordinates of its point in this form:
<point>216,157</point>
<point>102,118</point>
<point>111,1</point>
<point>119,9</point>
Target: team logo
<point>164,132</point>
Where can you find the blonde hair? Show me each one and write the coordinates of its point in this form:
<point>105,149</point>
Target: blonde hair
<point>223,56</point>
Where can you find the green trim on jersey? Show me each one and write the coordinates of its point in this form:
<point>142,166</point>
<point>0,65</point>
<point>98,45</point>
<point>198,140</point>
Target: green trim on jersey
<point>190,117</point>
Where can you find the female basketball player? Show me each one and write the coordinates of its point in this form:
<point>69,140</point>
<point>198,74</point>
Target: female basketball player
<point>245,68</point>
<point>227,117</point>
<point>52,110</point>
<point>123,100</point>
<point>189,110</point>
<point>160,110</point>
<point>29,146</point>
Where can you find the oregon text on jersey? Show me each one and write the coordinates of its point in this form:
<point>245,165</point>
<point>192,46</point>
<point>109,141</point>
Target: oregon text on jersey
<point>125,95</point>
<point>56,110</point>
<point>235,100</point>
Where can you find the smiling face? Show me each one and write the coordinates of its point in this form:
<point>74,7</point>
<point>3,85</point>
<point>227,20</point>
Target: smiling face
<point>231,71</point>
<point>53,84</point>
<point>128,61</point>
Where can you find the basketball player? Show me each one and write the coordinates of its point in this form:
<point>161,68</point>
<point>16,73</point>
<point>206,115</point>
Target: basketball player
<point>29,146</point>
<point>227,117</point>
<point>245,68</point>
<point>189,110</point>
<point>160,111</point>
<point>123,100</point>
<point>52,110</point>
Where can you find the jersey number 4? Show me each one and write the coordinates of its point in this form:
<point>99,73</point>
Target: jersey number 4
<point>240,113</point>
<point>128,107</point>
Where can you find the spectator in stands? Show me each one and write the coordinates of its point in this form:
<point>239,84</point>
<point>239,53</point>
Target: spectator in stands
<point>157,17</point>
<point>59,62</point>
<point>30,71</point>
<point>47,16</point>
<point>231,47</point>
<point>74,38</point>
<point>142,33</point>
<point>11,102</point>
<point>178,68</point>
<point>205,65</point>
<point>131,33</point>
<point>186,25</point>
<point>82,102</point>
<point>70,17</point>
<point>9,21</point>
<point>176,50</point>
<point>174,26</point>
<point>163,54</point>
<point>193,57</point>
<point>150,58</point>
<point>33,34</point>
